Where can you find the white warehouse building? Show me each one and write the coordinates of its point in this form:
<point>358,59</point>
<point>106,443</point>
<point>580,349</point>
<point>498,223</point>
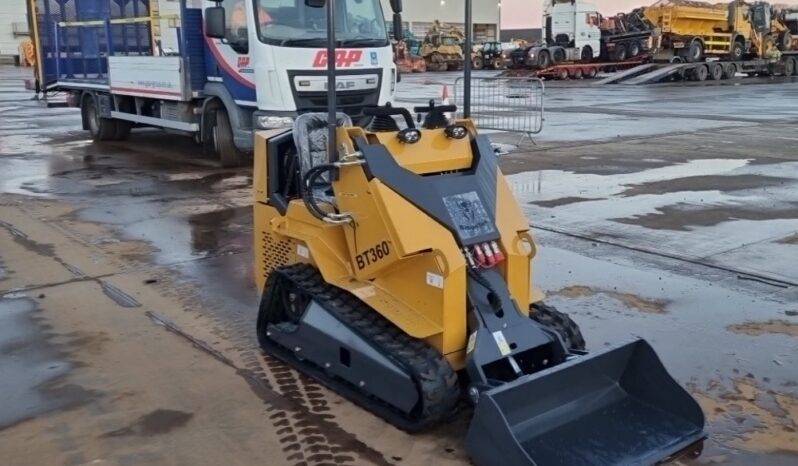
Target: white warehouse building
<point>13,27</point>
<point>418,16</point>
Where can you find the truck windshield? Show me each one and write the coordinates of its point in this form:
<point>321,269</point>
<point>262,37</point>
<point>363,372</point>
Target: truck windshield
<point>291,23</point>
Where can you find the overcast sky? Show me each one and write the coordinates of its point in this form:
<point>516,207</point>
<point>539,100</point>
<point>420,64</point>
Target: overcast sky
<point>527,13</point>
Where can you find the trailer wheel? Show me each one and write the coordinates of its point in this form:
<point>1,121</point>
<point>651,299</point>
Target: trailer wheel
<point>789,67</point>
<point>591,73</point>
<point>730,71</point>
<point>695,53</point>
<point>226,150</point>
<point>620,52</point>
<point>634,49</point>
<point>562,75</point>
<point>577,73</point>
<point>700,73</point>
<point>716,71</point>
<point>101,129</point>
<point>544,59</point>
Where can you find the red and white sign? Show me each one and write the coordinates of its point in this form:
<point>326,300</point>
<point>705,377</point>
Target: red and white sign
<point>343,58</point>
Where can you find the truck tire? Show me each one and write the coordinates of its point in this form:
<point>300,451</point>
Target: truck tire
<point>226,150</point>
<point>737,51</point>
<point>715,71</point>
<point>634,49</point>
<point>558,55</point>
<point>620,52</point>
<point>544,59</point>
<point>695,52</point>
<point>101,129</point>
<point>586,55</point>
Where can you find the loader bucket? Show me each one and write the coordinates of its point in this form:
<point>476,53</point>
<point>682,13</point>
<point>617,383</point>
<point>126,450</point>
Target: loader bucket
<point>619,406</point>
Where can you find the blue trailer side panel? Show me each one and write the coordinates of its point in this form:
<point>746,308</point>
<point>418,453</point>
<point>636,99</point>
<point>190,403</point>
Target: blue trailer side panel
<point>77,36</point>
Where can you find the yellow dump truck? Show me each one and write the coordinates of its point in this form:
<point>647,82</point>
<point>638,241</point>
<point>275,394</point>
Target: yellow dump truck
<point>689,31</point>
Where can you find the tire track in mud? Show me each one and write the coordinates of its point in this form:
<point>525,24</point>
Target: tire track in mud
<point>297,406</point>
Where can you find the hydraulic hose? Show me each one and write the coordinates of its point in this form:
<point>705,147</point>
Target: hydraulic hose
<point>493,298</point>
<point>308,182</point>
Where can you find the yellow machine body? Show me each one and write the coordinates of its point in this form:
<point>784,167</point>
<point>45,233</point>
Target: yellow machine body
<point>394,257</point>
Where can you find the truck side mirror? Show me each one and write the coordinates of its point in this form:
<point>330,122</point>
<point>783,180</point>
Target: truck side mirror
<point>315,3</point>
<point>398,33</point>
<point>214,22</point>
<point>396,6</point>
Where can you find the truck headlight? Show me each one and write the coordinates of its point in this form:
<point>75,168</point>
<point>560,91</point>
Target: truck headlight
<point>273,122</point>
<point>531,54</point>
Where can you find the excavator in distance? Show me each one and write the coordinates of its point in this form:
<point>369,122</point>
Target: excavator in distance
<point>395,267</point>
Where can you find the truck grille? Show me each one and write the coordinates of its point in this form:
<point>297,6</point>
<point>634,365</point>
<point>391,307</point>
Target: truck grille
<point>350,102</point>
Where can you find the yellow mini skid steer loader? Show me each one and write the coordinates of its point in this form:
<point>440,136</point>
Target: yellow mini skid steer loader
<point>395,267</point>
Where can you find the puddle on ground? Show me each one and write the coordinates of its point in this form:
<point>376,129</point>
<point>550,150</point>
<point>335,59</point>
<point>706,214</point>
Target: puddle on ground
<point>160,421</point>
<point>631,301</point>
<point>792,239</point>
<point>766,328</point>
<point>722,183</point>
<point>683,216</point>
<point>563,201</point>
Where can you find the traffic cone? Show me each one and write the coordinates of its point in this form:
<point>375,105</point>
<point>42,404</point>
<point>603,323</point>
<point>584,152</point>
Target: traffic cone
<point>445,100</point>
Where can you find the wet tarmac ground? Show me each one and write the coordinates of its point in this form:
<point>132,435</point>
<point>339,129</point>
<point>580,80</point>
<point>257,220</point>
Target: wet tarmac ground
<point>127,302</point>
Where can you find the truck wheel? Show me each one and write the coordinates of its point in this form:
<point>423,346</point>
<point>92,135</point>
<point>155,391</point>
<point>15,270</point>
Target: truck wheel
<point>544,59</point>
<point>478,63</point>
<point>700,73</point>
<point>558,56</point>
<point>716,71</point>
<point>737,51</point>
<point>226,150</point>
<point>620,52</point>
<point>789,67</point>
<point>586,55</point>
<point>101,129</point>
<point>695,53</point>
<point>634,49</point>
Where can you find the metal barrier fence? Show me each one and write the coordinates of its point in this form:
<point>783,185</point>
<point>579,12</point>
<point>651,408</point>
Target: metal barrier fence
<point>505,103</point>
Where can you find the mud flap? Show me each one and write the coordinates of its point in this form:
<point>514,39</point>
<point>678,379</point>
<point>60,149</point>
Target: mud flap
<point>619,406</point>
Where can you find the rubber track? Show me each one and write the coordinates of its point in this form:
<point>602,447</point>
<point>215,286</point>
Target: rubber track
<point>433,375</point>
<point>560,322</point>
